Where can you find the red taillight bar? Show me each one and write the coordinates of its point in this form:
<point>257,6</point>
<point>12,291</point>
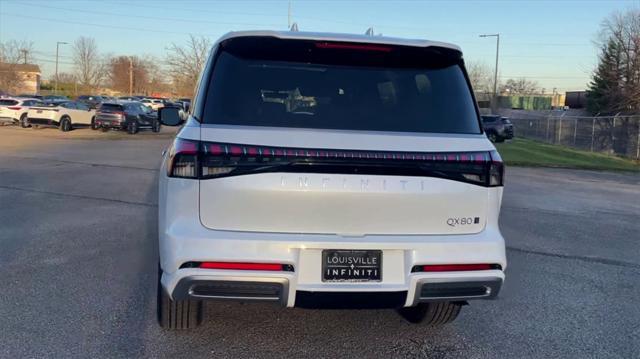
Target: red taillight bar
<point>242,266</point>
<point>344,46</point>
<point>15,108</point>
<point>237,150</point>
<point>205,160</point>
<point>455,267</point>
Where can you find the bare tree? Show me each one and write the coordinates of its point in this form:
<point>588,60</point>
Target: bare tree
<point>615,84</point>
<point>520,86</point>
<point>481,76</point>
<point>12,54</point>
<point>64,78</point>
<point>622,30</point>
<point>16,52</point>
<point>126,69</point>
<point>89,65</point>
<point>185,63</point>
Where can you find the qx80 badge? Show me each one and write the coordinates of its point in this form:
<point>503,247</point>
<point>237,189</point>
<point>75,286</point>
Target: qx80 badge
<point>462,221</point>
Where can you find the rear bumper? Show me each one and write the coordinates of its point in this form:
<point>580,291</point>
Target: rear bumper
<point>43,122</point>
<point>282,289</point>
<point>110,124</point>
<point>183,238</point>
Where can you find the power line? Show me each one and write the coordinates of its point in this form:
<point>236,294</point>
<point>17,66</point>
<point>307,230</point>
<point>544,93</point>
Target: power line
<point>58,21</point>
<point>51,54</point>
<point>147,17</point>
<point>256,24</point>
<point>53,61</point>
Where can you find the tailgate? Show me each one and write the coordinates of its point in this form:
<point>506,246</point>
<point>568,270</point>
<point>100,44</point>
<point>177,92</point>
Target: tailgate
<point>340,201</point>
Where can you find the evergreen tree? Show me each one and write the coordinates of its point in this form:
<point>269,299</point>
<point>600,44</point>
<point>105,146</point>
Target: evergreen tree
<point>615,87</point>
<point>604,93</point>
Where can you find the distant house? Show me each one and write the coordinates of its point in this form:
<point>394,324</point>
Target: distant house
<point>21,78</point>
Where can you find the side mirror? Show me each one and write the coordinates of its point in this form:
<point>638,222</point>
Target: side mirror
<point>169,116</point>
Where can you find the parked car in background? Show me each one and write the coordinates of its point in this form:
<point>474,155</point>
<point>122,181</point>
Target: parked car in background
<point>131,116</point>
<point>497,128</point>
<point>92,101</point>
<point>186,102</point>
<point>14,110</point>
<point>153,103</point>
<point>52,98</point>
<point>37,97</point>
<point>64,115</point>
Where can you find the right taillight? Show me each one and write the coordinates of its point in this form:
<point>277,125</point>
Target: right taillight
<point>496,170</point>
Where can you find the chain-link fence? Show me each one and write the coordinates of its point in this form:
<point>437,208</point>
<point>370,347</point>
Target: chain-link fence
<point>618,135</point>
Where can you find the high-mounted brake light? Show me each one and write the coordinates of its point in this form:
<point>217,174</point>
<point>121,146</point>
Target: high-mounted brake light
<point>347,46</point>
<point>205,160</point>
<point>455,267</point>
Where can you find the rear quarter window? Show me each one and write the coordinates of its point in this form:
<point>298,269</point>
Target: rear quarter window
<point>110,107</point>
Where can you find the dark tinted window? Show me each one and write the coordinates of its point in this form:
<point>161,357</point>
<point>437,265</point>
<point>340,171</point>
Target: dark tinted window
<point>489,119</point>
<point>363,92</point>
<point>8,102</point>
<point>110,107</point>
<point>82,106</point>
<point>69,105</point>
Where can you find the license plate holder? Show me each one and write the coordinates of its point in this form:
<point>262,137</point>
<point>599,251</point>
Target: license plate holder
<point>339,265</point>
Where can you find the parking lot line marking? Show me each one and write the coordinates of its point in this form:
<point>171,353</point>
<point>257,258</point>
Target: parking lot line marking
<point>78,196</point>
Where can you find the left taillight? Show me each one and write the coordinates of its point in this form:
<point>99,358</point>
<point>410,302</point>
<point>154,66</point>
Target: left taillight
<point>15,108</point>
<point>182,161</point>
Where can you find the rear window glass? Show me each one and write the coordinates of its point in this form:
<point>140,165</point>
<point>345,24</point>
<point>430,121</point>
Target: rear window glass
<point>325,92</point>
<point>8,102</point>
<point>110,107</point>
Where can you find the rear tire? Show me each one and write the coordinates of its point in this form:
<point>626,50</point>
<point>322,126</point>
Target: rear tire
<point>435,313</point>
<point>132,127</point>
<point>93,124</point>
<point>155,127</point>
<point>65,124</point>
<point>24,121</point>
<point>177,314</point>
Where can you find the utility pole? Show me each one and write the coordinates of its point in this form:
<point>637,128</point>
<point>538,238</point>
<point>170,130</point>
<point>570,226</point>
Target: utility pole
<point>289,16</point>
<point>130,77</point>
<point>57,50</point>
<point>495,76</point>
<point>24,55</point>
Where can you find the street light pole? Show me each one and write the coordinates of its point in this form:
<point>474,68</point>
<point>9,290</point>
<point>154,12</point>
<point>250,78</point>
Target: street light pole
<point>57,50</point>
<point>495,76</point>
<point>130,77</point>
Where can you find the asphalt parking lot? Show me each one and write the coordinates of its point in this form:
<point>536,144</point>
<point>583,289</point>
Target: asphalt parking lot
<point>78,253</point>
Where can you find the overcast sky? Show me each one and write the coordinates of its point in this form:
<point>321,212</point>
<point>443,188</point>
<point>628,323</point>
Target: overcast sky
<point>550,42</point>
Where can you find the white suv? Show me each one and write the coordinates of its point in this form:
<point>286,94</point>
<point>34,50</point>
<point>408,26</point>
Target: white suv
<point>330,171</point>
<point>14,110</point>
